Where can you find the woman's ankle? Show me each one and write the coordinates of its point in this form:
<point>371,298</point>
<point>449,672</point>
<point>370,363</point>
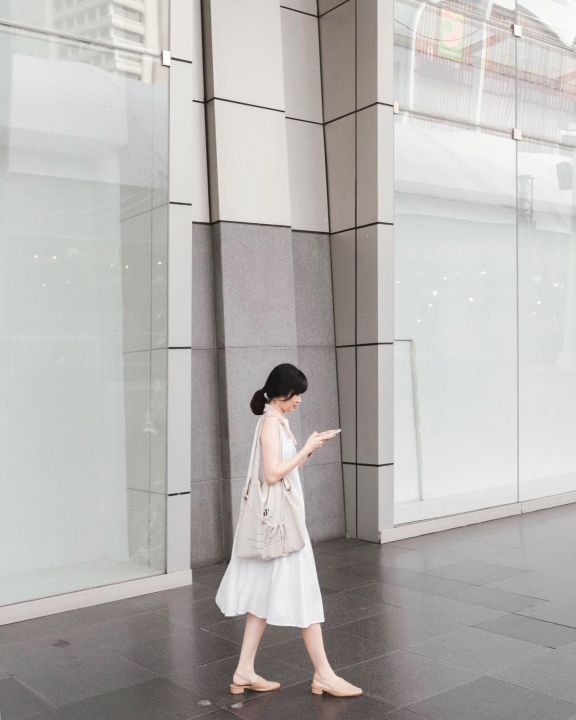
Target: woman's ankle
<point>325,674</point>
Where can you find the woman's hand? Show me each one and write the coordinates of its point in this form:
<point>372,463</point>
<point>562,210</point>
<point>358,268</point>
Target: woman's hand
<point>316,440</point>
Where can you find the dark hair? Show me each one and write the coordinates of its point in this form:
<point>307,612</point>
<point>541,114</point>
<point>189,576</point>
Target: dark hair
<point>285,380</point>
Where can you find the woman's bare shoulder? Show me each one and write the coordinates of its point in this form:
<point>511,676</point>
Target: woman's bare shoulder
<point>269,425</point>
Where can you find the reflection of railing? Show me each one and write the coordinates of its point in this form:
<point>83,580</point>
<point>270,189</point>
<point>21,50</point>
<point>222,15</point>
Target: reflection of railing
<point>415,410</point>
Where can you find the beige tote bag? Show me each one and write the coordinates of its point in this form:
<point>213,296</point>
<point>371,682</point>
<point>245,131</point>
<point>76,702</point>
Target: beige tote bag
<point>271,519</point>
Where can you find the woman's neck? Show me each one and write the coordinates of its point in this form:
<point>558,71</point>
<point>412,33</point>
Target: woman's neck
<point>274,410</point>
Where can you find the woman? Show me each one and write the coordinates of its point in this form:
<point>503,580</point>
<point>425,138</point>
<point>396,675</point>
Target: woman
<point>284,590</point>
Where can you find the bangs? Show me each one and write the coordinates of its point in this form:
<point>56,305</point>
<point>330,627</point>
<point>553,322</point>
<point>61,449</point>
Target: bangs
<point>300,386</point>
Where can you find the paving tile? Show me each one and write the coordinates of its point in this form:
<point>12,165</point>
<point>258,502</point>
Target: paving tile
<point>220,714</point>
<point>341,580</point>
<point>474,572</point>
<point>342,648</point>
<point>535,631</point>
<point>458,549</point>
<point>488,699</point>
<point>401,715</point>
<point>330,561</point>
<point>196,615</point>
<point>212,681</point>
<point>403,677</point>
<point>37,627</point>
<point>570,647</point>
<point>398,628</point>
<point>433,606</point>
<point>479,595</point>
<point>344,607</point>
<point>66,667</point>
<point>537,557</point>
<point>553,674</point>
<point>338,544</point>
<point>297,701</point>
<point>175,596</point>
<point>361,553</point>
<point>374,570</point>
<point>46,715</point>
<point>211,581</point>
<point>17,701</point>
<point>157,699</point>
<point>410,559</point>
<point>478,650</point>
<point>210,569</point>
<point>103,612</point>
<point>544,585</point>
<point>131,630</point>
<point>233,630</point>
<point>552,611</point>
<point>188,649</point>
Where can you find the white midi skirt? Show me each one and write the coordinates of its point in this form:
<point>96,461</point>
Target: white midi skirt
<point>284,590</point>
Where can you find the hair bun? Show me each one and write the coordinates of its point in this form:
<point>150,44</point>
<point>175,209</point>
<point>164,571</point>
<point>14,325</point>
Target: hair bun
<point>258,402</point>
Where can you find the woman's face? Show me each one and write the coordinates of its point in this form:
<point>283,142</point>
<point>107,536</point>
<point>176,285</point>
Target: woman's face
<point>289,405</point>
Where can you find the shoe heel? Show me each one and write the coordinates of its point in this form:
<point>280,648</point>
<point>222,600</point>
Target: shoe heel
<point>316,690</point>
<point>236,689</point>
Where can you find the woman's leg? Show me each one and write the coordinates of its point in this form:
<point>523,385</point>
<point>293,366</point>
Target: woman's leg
<point>252,633</point>
<point>312,636</point>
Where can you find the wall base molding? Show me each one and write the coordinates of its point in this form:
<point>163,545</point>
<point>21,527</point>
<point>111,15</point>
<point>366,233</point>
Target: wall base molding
<point>425,527</point>
<point>93,596</point>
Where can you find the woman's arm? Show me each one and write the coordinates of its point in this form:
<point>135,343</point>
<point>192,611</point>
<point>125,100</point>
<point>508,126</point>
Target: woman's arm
<point>273,470</point>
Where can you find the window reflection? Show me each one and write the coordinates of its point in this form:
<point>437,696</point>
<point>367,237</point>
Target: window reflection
<point>138,25</point>
<point>485,254</point>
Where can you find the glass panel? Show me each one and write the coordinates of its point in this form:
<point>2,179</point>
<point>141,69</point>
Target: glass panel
<point>139,25</point>
<point>547,91</point>
<point>547,318</point>
<point>552,21</point>
<point>452,65</point>
<point>455,319</point>
<point>83,192</point>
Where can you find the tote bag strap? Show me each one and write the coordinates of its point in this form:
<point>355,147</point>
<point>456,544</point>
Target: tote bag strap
<point>254,464</point>
<point>252,456</point>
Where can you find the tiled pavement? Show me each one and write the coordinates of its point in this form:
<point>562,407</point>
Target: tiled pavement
<point>477,623</point>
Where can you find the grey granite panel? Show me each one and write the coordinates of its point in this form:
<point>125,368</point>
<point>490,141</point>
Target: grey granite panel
<point>242,371</point>
<point>319,409</point>
<point>207,542</point>
<point>313,288</point>
<point>255,285</point>
<point>324,499</point>
<point>232,493</point>
<point>205,448</point>
<point>203,312</point>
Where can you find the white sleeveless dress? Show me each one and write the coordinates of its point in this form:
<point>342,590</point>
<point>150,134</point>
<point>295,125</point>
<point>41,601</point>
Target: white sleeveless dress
<point>284,590</point>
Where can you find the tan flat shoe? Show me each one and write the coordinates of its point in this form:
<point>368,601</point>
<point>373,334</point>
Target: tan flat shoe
<point>260,684</point>
<point>339,688</point>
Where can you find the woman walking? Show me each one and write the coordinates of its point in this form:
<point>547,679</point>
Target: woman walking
<point>282,590</point>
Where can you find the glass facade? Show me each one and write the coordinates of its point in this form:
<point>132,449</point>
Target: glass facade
<point>485,254</point>
<point>83,318</point>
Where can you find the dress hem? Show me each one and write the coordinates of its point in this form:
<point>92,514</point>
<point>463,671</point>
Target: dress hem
<point>271,622</point>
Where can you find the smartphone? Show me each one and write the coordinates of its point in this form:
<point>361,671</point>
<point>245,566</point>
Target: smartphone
<point>336,430</point>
